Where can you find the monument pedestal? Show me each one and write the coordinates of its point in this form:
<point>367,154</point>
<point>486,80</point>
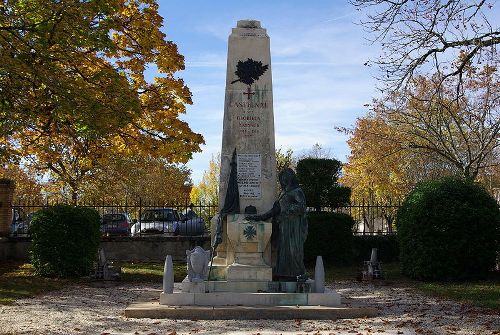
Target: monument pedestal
<point>248,241</point>
<point>245,253</point>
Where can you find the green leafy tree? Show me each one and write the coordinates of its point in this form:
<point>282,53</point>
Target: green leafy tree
<point>207,190</point>
<point>319,180</point>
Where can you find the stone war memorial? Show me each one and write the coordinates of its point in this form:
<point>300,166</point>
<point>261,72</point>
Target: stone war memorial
<point>254,270</point>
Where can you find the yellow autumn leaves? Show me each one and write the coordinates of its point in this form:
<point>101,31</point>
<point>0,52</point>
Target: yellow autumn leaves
<point>74,96</point>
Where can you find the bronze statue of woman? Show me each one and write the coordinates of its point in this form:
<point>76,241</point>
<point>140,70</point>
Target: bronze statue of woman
<point>289,211</point>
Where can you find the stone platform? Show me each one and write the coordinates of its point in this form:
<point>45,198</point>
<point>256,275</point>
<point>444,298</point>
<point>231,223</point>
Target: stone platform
<point>250,299</point>
<point>154,310</point>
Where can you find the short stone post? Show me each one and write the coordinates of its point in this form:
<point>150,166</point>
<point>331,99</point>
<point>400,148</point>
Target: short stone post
<point>168,276</point>
<point>7,187</point>
<point>319,276</point>
<point>374,256</point>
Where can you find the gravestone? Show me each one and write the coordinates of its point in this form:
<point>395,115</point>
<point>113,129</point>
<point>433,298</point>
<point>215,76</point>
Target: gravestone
<point>248,130</point>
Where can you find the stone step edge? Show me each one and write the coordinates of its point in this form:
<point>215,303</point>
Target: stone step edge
<point>153,310</point>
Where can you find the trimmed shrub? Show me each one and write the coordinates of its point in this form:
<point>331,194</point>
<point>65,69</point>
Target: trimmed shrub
<point>319,180</point>
<point>448,229</point>
<point>64,240</point>
<point>330,236</point>
<point>387,245</point>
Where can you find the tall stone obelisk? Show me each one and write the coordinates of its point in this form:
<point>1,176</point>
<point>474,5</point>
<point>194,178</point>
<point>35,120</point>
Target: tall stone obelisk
<point>248,117</point>
<point>244,252</point>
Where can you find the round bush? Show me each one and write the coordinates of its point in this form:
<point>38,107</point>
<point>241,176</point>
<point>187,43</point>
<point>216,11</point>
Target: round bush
<point>64,240</point>
<point>448,229</point>
<point>330,236</point>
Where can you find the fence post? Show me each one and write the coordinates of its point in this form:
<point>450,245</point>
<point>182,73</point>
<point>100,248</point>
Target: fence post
<point>7,187</point>
<point>140,216</point>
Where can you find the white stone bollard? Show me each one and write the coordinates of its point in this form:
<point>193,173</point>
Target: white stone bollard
<point>374,256</point>
<point>168,276</point>
<point>319,276</point>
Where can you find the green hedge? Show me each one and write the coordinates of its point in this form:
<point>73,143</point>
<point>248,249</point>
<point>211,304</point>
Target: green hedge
<point>330,236</point>
<point>387,245</point>
<point>448,229</point>
<point>64,240</point>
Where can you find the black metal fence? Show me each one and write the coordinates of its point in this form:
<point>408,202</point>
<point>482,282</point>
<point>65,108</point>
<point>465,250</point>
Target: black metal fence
<point>130,218</point>
<point>369,218</point>
<point>141,217</point>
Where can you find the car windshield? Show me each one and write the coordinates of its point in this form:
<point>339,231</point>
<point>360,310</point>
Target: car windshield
<point>113,217</point>
<point>166,214</point>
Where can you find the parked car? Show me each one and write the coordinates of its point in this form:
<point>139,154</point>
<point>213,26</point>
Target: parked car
<point>191,224</point>
<point>20,224</point>
<point>157,221</point>
<point>116,224</point>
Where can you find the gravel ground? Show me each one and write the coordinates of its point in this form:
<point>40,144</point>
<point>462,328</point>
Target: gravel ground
<point>99,309</point>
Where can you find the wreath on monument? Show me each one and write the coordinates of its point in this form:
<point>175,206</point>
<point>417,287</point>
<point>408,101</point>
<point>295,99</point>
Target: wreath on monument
<point>249,71</point>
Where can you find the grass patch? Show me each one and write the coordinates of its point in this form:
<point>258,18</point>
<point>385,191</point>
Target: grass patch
<point>17,280</point>
<point>484,293</point>
<point>150,273</point>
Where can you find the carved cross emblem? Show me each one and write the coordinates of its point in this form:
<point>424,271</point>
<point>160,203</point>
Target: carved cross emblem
<point>249,93</point>
<point>250,232</point>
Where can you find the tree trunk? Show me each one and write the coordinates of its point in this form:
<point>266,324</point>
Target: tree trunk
<point>74,193</point>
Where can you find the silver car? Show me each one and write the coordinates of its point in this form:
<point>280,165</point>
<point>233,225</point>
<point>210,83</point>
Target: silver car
<point>157,221</point>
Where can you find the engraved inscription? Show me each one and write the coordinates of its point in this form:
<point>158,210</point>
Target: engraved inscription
<point>249,175</point>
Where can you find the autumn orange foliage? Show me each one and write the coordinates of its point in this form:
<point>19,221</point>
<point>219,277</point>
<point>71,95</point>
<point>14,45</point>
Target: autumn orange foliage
<point>74,89</point>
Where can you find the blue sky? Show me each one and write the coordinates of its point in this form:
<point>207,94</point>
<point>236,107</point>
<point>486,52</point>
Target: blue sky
<point>317,52</point>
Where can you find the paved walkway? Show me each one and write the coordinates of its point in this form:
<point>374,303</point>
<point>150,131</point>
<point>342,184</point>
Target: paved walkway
<point>98,309</point>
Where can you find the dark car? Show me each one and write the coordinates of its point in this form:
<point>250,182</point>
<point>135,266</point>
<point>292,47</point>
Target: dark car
<point>157,221</point>
<point>116,224</point>
<point>191,224</point>
<point>20,224</point>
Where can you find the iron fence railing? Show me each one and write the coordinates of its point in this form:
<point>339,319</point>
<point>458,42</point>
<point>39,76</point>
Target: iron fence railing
<point>136,218</point>
<point>144,217</point>
<point>369,218</point>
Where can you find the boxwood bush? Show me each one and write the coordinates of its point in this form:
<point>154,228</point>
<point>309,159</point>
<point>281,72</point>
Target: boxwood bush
<point>448,229</point>
<point>64,240</point>
<point>330,236</point>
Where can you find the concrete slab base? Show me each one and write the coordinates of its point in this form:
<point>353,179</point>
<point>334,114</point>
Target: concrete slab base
<point>225,286</point>
<point>250,299</point>
<point>154,310</point>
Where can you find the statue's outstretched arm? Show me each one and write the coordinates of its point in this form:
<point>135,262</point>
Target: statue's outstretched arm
<point>267,215</point>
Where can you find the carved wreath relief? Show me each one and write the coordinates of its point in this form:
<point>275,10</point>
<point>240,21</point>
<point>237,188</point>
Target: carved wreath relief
<point>249,71</point>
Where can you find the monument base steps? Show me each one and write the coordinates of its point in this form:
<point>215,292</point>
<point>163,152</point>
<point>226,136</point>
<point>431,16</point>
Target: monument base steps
<point>240,272</point>
<point>331,299</point>
<point>154,310</point>
<point>225,286</point>
<point>218,272</point>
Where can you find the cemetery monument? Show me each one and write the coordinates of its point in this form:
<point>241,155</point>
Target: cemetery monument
<point>240,269</point>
